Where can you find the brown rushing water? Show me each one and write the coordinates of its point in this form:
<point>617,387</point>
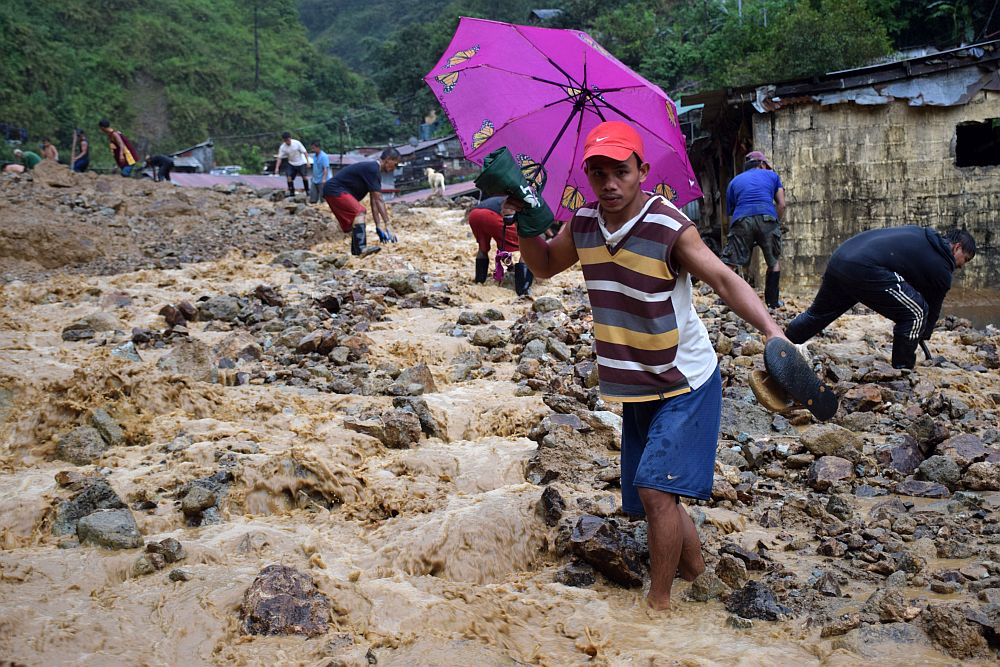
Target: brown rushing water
<point>461,574</point>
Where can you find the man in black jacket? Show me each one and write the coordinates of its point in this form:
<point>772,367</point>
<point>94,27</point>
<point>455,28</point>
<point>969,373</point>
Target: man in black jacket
<point>902,273</point>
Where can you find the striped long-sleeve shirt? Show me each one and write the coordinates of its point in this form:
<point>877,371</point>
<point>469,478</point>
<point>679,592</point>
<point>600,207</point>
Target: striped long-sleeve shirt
<point>650,342</point>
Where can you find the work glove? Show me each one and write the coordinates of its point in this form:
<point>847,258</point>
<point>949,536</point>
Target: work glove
<point>385,236</point>
<point>501,175</point>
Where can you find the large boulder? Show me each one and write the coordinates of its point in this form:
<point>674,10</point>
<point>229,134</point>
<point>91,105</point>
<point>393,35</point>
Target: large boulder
<point>829,470</point>
<point>113,529</point>
<point>284,601</point>
<point>832,440</point>
<point>192,358</point>
<point>755,600</point>
<point>901,453</point>
<point>82,446</point>
<point>940,469</point>
<point>613,552</point>
<point>94,494</point>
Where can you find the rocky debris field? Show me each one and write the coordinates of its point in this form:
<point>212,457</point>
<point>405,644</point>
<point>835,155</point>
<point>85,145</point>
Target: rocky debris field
<point>231,442</point>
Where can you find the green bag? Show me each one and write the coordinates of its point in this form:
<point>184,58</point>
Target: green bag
<point>502,176</point>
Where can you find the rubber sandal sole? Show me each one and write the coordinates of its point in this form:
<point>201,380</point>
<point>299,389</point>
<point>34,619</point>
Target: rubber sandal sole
<point>792,372</point>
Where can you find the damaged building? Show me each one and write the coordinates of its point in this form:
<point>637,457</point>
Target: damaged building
<point>914,141</point>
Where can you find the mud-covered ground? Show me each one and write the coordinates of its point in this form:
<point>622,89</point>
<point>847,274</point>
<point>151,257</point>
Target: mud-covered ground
<point>197,385</point>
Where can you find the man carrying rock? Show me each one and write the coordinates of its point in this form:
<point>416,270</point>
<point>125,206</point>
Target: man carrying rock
<point>755,201</point>
<point>344,192</point>
<point>121,148</point>
<point>902,273</point>
<point>639,253</point>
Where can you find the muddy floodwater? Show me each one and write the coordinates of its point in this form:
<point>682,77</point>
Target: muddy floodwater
<point>387,428</point>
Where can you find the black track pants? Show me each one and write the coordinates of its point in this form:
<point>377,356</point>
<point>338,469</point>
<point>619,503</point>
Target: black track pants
<point>884,292</point>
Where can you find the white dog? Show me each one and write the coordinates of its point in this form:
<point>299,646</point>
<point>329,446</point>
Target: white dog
<point>436,181</point>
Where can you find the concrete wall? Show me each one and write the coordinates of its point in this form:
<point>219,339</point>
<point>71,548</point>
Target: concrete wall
<point>847,168</point>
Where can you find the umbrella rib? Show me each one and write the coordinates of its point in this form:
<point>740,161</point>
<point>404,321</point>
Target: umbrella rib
<point>577,109</point>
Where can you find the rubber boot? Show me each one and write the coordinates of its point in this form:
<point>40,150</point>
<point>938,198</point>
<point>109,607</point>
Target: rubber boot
<point>291,189</point>
<point>359,246</point>
<point>771,289</point>
<point>482,269</point>
<point>523,277</point>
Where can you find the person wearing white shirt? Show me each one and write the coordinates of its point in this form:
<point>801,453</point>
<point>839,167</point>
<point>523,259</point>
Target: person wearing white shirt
<point>296,162</point>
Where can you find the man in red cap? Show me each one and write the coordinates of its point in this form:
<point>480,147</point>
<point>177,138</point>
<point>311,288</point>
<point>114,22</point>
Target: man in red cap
<point>755,201</point>
<point>638,253</point>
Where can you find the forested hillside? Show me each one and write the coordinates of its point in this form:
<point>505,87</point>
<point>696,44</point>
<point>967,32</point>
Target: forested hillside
<point>173,73</point>
<point>347,72</point>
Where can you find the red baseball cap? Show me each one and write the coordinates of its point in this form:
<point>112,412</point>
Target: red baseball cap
<point>613,139</point>
<point>756,155</point>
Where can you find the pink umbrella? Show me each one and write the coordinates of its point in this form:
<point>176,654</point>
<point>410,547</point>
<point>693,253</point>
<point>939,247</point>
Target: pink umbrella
<point>539,91</point>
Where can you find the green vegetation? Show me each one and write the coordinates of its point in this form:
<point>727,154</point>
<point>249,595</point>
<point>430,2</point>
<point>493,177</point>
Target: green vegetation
<point>171,74</point>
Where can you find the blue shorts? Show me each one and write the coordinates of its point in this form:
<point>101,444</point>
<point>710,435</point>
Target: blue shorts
<point>669,445</point>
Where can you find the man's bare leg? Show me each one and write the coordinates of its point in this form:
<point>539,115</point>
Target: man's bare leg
<point>666,541</point>
<point>692,563</point>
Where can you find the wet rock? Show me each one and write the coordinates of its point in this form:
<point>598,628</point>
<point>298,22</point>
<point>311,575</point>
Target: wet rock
<point>887,606</point>
<point>940,469</point>
<point>110,528</point>
<point>827,585</point>
<point>95,494</point>
<point>913,487</point>
<point>551,505</point>
<point>840,507</point>
<point>707,586</point>
<point>197,500</point>
<point>862,398</point>
<point>179,574</point>
<point>737,622</point>
<point>147,564</point>
<point>741,417</point>
<point>832,548</point>
<point>170,549</point>
<point>404,283</point>
<point>225,308</point>
<point>840,626</point>
<point>613,552</point>
<point>755,600</point>
<point>418,375</point>
<point>82,446</point>
<point>401,429</point>
<point>751,559</point>
<point>109,429</point>
<point>832,440</point>
<point>547,304</point>
<point>901,453</point>
<point>871,640</point>
<point>964,449</point>
<point>283,601</point>
<point>945,587</point>
<point>928,432</point>
<point>192,358</point>
<point>579,575</point>
<point>982,476</point>
<point>269,295</point>
<point>732,571</point>
<point>490,337</point>
<point>429,423</point>
<point>949,630</point>
<point>829,470</point>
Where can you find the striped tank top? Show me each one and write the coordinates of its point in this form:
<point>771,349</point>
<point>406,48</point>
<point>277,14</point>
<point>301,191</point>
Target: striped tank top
<point>650,342</point>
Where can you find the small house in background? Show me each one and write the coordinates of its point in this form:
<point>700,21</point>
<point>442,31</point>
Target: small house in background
<point>198,159</point>
<point>444,155</point>
<point>543,16</point>
<point>910,141</point>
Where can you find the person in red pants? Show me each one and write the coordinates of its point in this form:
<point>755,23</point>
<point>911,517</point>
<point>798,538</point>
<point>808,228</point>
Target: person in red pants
<point>487,222</point>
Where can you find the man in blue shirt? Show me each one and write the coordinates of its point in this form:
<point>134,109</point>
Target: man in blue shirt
<point>344,192</point>
<point>755,201</point>
<point>320,172</point>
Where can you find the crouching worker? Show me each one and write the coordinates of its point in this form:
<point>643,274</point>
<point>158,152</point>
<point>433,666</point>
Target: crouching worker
<point>638,252</point>
<point>487,220</point>
<point>902,273</point>
<point>344,192</point>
